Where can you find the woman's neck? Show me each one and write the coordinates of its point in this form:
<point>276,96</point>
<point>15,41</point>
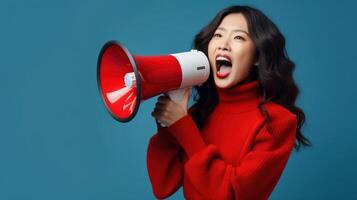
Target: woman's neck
<point>242,97</point>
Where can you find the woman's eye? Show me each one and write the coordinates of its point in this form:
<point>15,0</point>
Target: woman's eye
<point>217,35</point>
<point>238,37</point>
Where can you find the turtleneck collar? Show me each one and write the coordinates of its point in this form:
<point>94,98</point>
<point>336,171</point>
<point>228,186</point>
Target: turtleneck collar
<point>240,98</point>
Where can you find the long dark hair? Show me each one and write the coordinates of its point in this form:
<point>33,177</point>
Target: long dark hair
<point>274,73</point>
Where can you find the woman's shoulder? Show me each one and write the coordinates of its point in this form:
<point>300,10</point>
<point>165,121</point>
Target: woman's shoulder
<point>276,109</point>
<point>279,115</point>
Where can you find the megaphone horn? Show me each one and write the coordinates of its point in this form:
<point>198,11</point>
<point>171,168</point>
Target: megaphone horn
<point>125,80</point>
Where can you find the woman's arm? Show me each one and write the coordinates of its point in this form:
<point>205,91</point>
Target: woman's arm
<point>256,175</point>
<point>164,154</point>
<point>164,165</point>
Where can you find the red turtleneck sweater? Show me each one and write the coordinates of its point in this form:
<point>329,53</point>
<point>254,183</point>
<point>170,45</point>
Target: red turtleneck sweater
<point>234,156</point>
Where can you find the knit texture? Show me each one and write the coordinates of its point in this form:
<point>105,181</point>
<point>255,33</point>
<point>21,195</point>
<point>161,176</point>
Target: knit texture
<point>234,156</point>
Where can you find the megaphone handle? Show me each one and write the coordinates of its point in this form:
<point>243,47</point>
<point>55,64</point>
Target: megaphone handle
<point>176,96</point>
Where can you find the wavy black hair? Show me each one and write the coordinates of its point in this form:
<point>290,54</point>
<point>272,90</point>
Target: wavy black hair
<point>274,73</point>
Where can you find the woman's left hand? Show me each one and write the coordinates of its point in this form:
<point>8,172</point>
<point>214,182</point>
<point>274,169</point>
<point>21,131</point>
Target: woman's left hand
<point>168,112</point>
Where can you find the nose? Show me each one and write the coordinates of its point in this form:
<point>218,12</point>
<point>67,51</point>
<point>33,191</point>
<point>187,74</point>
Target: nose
<point>224,46</point>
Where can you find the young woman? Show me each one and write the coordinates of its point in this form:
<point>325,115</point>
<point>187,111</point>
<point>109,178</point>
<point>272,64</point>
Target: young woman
<point>235,141</point>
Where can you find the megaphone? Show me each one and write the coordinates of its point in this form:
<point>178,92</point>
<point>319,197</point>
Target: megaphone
<point>125,80</point>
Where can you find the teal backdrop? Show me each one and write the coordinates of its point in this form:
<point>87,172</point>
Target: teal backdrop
<point>58,142</point>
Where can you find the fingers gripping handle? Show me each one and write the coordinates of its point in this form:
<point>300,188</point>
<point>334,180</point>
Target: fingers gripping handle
<point>176,96</point>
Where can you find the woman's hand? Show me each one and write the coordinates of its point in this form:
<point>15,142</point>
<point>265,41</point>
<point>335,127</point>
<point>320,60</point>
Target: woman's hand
<point>168,112</point>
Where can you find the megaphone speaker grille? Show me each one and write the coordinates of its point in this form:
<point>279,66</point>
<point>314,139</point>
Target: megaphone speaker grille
<point>114,63</point>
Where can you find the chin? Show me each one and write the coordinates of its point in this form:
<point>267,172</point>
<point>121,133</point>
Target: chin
<point>228,83</point>
<point>223,83</point>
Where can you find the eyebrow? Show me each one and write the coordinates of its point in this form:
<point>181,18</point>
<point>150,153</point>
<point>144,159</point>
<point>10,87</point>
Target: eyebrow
<point>235,30</point>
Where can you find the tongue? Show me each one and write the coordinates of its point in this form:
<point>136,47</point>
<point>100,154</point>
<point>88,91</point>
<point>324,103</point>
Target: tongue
<point>224,69</point>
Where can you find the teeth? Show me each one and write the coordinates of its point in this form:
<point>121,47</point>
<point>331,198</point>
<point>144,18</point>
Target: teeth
<point>222,58</point>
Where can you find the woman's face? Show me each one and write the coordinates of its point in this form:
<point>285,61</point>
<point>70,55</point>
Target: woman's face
<point>231,51</point>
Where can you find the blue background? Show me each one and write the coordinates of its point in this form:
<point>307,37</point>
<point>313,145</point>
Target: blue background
<point>57,141</point>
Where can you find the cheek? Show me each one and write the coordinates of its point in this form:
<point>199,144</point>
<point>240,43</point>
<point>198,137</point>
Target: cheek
<point>244,57</point>
<point>211,55</point>
<point>243,62</point>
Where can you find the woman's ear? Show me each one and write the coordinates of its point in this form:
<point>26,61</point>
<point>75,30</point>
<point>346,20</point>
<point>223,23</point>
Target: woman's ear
<point>256,62</point>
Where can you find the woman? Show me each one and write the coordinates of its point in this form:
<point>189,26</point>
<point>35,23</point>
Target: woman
<point>236,139</point>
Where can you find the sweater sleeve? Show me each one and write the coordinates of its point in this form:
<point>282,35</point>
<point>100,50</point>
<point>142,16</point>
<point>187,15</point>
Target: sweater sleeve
<point>164,165</point>
<point>254,177</point>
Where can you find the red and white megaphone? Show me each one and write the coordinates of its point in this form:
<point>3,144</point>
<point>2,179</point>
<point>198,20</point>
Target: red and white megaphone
<point>125,80</point>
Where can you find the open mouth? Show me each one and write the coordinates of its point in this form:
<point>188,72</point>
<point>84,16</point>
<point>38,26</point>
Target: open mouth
<point>224,66</point>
